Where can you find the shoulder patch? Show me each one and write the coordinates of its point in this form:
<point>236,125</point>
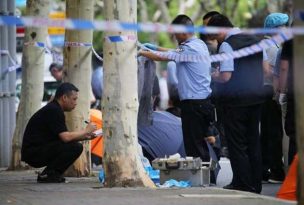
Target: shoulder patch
<point>179,50</point>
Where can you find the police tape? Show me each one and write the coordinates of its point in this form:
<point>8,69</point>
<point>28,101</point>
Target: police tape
<point>57,57</point>
<point>14,63</point>
<point>34,43</point>
<point>121,38</point>
<point>256,48</point>
<point>102,25</point>
<point>96,54</point>
<point>6,52</point>
<point>178,57</point>
<point>77,44</point>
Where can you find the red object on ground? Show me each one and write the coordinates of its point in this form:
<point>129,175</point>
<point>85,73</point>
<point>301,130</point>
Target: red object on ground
<point>289,186</point>
<point>97,143</point>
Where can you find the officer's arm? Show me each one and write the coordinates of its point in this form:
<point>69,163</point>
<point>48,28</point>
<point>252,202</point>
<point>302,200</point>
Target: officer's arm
<point>163,49</point>
<point>284,66</point>
<point>152,56</point>
<point>268,69</point>
<point>223,75</point>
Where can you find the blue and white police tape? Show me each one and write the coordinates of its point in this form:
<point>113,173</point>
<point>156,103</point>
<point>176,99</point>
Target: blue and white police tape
<point>56,56</point>
<point>96,54</point>
<point>13,67</point>
<point>121,38</point>
<point>259,47</point>
<point>71,44</point>
<point>14,63</point>
<point>34,43</point>
<point>6,52</point>
<point>80,24</point>
<point>77,44</point>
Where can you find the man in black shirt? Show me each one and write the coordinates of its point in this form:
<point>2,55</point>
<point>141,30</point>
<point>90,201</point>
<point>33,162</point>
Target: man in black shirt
<point>46,140</point>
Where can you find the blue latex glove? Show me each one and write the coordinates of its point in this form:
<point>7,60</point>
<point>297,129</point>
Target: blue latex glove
<point>151,46</point>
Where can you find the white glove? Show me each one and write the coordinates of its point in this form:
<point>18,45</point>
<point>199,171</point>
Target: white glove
<point>282,98</point>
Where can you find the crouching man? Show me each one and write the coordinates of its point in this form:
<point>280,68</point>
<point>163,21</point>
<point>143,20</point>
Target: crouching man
<point>46,140</point>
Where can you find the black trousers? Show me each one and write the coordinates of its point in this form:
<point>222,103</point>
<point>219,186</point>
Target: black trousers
<point>271,134</point>
<point>290,128</point>
<point>57,156</point>
<point>196,117</point>
<point>241,126</point>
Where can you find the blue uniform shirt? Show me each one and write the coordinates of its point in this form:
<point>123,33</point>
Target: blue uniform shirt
<point>193,77</point>
<point>171,70</point>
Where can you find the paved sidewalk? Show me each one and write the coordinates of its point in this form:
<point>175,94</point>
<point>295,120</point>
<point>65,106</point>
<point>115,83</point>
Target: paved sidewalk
<point>20,187</point>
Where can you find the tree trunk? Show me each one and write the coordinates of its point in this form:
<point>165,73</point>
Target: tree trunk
<point>32,77</point>
<point>77,70</point>
<point>274,6</point>
<point>122,163</point>
<point>199,13</point>
<point>162,6</point>
<point>143,11</point>
<point>299,99</point>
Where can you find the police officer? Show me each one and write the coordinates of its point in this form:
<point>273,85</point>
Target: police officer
<point>239,94</point>
<point>193,87</point>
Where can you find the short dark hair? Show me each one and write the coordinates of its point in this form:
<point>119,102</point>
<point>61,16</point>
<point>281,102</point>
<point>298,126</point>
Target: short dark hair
<point>56,65</point>
<point>220,20</point>
<point>210,14</point>
<point>183,20</point>
<point>65,89</point>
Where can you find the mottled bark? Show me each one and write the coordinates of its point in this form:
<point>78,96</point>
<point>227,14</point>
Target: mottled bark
<point>143,11</point>
<point>77,70</point>
<point>161,4</point>
<point>32,77</point>
<point>122,162</point>
<point>299,100</point>
<point>200,12</point>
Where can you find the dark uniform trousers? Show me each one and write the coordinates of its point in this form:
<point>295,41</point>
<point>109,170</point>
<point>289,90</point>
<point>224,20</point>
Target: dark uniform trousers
<point>196,116</point>
<point>241,126</point>
<point>57,156</point>
<point>290,127</point>
<point>271,133</point>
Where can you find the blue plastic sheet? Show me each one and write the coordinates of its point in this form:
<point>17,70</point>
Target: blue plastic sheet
<point>153,174</point>
<point>174,183</point>
<point>101,176</point>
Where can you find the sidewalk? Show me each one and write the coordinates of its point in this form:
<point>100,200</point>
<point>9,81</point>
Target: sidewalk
<point>20,187</point>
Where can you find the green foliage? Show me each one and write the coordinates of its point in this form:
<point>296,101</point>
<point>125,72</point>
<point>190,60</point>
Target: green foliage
<point>98,35</point>
<point>239,15</point>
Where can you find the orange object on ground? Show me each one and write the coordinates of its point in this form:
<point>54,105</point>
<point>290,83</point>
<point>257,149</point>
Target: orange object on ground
<point>97,143</point>
<point>289,186</point>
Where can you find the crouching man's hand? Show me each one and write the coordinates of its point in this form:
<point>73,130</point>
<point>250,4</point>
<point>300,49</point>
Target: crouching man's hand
<point>90,128</point>
<point>90,136</point>
<point>84,134</point>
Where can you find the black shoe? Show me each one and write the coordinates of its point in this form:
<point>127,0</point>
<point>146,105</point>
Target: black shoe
<point>238,188</point>
<point>229,186</point>
<point>265,176</point>
<point>54,178</point>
